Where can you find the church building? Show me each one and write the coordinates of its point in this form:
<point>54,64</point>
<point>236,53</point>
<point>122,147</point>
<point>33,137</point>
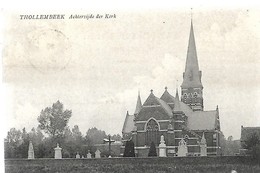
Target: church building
<point>180,119</point>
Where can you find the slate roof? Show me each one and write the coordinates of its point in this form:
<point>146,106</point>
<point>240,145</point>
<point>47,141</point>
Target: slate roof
<point>247,131</point>
<point>156,112</point>
<point>202,120</point>
<point>152,100</point>
<point>129,123</point>
<point>168,98</point>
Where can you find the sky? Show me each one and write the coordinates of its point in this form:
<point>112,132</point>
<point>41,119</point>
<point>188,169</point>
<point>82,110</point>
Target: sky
<point>96,67</point>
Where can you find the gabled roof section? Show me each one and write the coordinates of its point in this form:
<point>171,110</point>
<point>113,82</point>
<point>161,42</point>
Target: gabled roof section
<point>249,131</point>
<point>138,104</point>
<point>192,75</point>
<point>128,124</point>
<point>186,109</point>
<point>165,106</point>
<point>153,102</point>
<point>202,120</point>
<point>167,97</point>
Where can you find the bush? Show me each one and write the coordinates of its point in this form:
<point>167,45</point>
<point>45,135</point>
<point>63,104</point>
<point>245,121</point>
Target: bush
<point>256,153</point>
<point>129,149</point>
<point>152,150</point>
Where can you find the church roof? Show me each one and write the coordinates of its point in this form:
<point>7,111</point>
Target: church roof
<point>247,131</point>
<point>202,120</point>
<point>186,109</point>
<point>156,106</point>
<point>192,75</point>
<point>129,123</point>
<point>168,98</point>
<point>138,104</point>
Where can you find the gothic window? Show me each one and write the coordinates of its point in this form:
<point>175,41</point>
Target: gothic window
<point>152,130</point>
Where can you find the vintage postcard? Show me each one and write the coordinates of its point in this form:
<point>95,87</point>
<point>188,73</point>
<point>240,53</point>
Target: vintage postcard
<point>174,88</point>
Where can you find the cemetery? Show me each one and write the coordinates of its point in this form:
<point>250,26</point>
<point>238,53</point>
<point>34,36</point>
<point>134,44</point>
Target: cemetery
<point>181,163</point>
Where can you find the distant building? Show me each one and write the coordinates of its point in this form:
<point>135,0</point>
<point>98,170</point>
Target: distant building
<point>176,117</point>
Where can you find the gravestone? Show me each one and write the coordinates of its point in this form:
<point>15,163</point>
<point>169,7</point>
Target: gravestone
<point>58,154</point>
<point>30,151</point>
<point>77,156</point>
<point>89,155</point>
<point>97,154</point>
<point>182,148</point>
<point>82,157</point>
<point>203,146</point>
<point>162,147</point>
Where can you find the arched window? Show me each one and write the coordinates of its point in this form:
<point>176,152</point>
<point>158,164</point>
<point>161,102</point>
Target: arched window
<point>152,133</point>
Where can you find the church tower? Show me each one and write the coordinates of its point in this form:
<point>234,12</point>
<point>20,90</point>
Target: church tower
<point>191,88</point>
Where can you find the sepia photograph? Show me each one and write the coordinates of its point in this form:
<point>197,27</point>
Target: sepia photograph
<point>151,90</point>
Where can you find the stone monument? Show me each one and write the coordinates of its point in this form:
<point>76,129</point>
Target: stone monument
<point>30,151</point>
<point>58,154</point>
<point>162,147</point>
<point>182,148</point>
<point>89,155</point>
<point>203,146</point>
<point>97,154</point>
<point>77,156</point>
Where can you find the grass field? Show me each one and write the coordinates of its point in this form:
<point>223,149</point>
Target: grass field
<point>135,165</point>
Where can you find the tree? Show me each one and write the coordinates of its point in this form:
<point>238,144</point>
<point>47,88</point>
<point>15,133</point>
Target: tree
<point>116,137</point>
<point>95,136</point>
<point>152,150</point>
<point>53,120</point>
<point>129,149</point>
<point>251,141</point>
<point>12,142</point>
<point>76,133</point>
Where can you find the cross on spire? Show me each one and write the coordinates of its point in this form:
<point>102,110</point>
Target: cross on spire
<point>191,13</point>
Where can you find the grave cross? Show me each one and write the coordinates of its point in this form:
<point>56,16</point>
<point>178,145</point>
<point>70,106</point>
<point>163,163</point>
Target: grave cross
<point>109,141</point>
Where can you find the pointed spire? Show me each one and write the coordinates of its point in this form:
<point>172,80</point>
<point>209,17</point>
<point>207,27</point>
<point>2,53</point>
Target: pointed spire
<point>177,106</point>
<point>203,139</point>
<point>192,75</point>
<point>138,104</point>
